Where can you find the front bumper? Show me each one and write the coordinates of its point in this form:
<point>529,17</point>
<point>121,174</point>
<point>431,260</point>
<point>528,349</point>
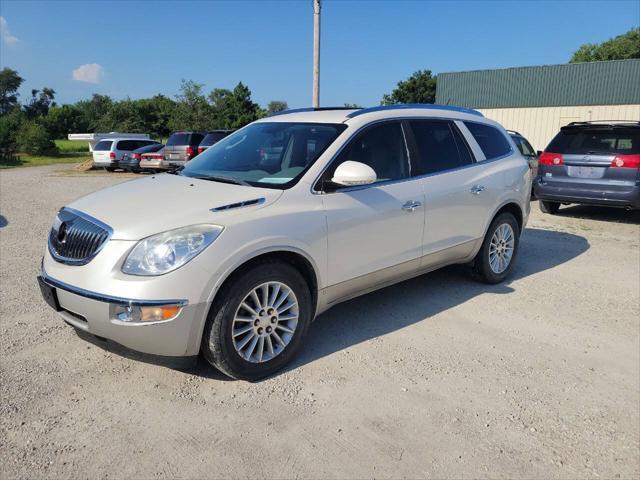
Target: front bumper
<point>583,194</point>
<point>91,312</point>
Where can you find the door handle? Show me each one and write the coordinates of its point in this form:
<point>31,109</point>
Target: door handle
<point>411,206</point>
<point>477,189</point>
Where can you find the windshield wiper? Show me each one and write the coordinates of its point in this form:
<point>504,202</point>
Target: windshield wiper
<point>217,178</point>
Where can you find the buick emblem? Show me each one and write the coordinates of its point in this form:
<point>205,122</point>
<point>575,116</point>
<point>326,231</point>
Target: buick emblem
<point>62,232</point>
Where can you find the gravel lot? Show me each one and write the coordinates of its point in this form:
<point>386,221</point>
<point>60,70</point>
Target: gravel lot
<point>435,377</point>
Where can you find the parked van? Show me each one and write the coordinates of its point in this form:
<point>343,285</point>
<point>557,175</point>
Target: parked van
<point>108,153</point>
<point>180,148</point>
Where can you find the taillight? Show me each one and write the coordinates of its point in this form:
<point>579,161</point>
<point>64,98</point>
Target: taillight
<point>626,161</point>
<point>136,156</point>
<point>189,151</point>
<point>548,158</point>
<point>112,155</point>
<point>200,150</point>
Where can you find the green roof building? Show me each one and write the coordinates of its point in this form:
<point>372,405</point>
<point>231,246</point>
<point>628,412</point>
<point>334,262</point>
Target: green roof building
<point>536,101</point>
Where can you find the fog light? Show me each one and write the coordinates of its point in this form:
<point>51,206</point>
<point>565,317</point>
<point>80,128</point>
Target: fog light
<point>132,313</point>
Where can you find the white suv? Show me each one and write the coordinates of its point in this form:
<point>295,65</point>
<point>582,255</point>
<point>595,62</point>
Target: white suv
<point>107,153</point>
<point>280,221</point>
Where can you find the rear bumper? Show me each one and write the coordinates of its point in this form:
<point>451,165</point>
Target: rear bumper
<point>90,312</point>
<point>588,195</point>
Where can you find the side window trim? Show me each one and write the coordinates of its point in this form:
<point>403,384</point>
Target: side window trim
<point>471,141</point>
<point>318,187</point>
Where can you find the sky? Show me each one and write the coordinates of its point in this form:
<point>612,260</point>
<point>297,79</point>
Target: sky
<point>139,48</point>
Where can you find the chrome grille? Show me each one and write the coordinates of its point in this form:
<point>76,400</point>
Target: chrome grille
<point>76,238</point>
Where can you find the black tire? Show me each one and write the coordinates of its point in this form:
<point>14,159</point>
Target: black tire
<point>217,342</point>
<point>110,169</point>
<point>549,207</point>
<point>481,267</point>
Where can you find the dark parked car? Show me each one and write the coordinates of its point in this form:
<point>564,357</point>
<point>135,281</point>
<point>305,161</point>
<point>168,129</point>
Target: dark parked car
<point>213,137</point>
<point>593,163</point>
<point>527,152</point>
<point>180,148</point>
<point>131,160</point>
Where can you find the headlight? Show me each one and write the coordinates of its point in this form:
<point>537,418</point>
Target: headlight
<point>167,251</point>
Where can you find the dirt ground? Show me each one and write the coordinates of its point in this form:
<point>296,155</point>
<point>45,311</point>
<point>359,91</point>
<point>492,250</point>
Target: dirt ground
<point>435,377</point>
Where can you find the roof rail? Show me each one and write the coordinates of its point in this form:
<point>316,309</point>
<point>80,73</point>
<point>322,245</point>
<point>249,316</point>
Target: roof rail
<point>513,132</point>
<point>422,106</point>
<point>596,122</point>
<point>309,109</point>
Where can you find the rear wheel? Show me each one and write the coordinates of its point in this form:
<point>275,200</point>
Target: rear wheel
<point>110,169</point>
<point>494,261</point>
<point>258,321</point>
<point>549,207</point>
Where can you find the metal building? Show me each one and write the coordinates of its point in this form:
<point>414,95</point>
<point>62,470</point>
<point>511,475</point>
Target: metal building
<point>536,101</point>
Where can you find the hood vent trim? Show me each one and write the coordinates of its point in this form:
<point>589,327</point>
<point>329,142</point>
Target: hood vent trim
<point>232,206</point>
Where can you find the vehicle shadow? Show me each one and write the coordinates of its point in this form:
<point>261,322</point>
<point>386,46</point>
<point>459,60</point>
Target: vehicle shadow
<point>605,214</point>
<point>419,299</point>
<point>395,307</point>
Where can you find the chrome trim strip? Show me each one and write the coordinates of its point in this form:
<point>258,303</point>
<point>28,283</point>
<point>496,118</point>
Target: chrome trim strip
<point>84,261</point>
<point>245,203</point>
<point>108,298</point>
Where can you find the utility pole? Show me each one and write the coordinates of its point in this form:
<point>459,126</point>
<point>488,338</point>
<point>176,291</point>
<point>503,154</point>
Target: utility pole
<point>316,53</point>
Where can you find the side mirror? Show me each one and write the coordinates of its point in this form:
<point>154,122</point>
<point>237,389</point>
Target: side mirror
<point>352,173</point>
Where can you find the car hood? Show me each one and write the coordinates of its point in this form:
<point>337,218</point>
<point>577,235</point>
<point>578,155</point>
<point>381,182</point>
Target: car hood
<point>137,209</point>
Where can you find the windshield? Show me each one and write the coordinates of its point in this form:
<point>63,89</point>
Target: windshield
<point>265,154</point>
<point>178,139</point>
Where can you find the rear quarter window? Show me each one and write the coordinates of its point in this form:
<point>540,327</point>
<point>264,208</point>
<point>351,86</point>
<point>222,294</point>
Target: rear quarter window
<point>492,141</point>
<point>102,146</point>
<point>128,145</point>
<point>607,141</point>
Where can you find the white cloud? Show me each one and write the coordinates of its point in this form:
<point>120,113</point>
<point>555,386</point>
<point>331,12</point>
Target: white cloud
<point>89,72</point>
<point>6,35</point>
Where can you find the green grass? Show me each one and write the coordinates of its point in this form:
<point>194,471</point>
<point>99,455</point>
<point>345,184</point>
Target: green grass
<point>66,146</point>
<point>36,161</point>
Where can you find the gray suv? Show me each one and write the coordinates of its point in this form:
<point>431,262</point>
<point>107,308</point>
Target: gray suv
<point>180,148</point>
<point>593,163</point>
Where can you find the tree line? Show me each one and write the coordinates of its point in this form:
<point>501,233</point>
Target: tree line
<point>31,127</point>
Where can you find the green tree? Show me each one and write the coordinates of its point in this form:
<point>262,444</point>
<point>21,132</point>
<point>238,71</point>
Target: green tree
<point>93,110</point>
<point>33,138</point>
<point>418,88</point>
<point>10,82</point>
<point>65,119</point>
<point>192,112</point>
<point>41,101</point>
<point>621,47</point>
<point>352,105</point>
<point>234,109</point>
<point>9,126</point>
<point>276,106</point>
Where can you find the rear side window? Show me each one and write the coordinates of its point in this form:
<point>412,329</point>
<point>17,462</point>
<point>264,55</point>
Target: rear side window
<point>128,145</point>
<point>584,141</point>
<point>440,145</point>
<point>491,140</point>
<point>102,146</point>
<point>178,139</point>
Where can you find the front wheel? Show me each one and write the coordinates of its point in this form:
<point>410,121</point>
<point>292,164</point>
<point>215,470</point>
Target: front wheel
<point>494,261</point>
<point>258,321</point>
